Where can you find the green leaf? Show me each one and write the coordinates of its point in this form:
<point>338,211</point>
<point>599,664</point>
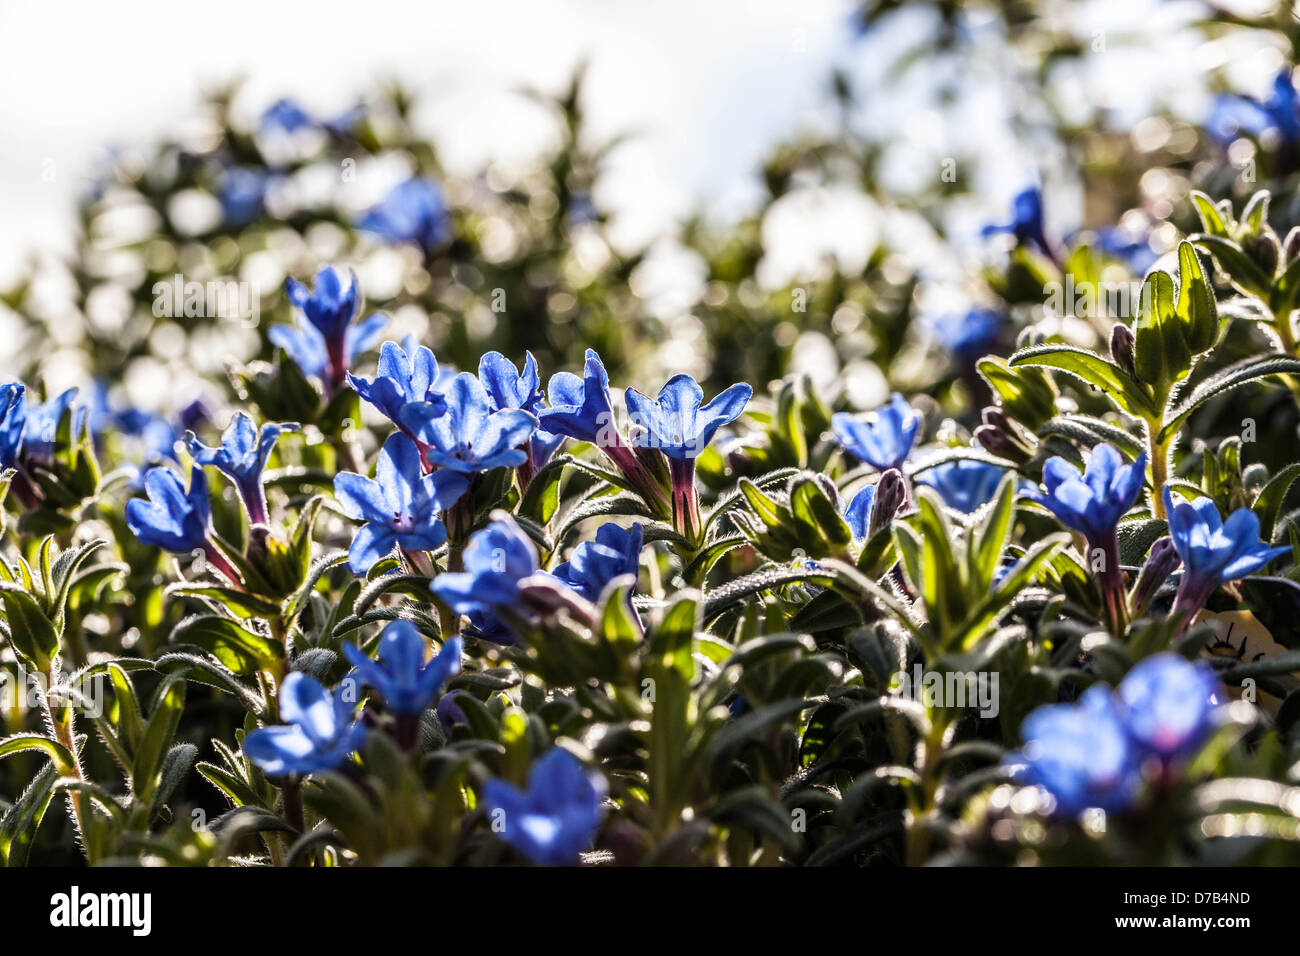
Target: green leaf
<point>542,498</point>
<point>22,743</point>
<point>1234,376</point>
<point>1027,394</point>
<point>1269,500</point>
<point>1195,308</point>
<point>997,528</point>
<point>31,633</point>
<point>240,602</point>
<point>146,769</point>
<point>1212,220</point>
<point>1117,385</point>
<point>1244,274</point>
<point>234,646</point>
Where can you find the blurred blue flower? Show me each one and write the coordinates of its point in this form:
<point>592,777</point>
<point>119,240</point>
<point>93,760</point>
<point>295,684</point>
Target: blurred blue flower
<point>495,561</point>
<point>400,675</point>
<point>556,818</point>
<point>884,441</point>
<point>242,192</point>
<point>1092,753</point>
<point>858,512</point>
<point>676,423</point>
<point>242,457</point>
<point>172,518</point>
<point>964,484</point>
<point>1026,222</point>
<point>329,342</point>
<point>413,211</point>
<point>971,336</point>
<point>488,627</point>
<point>407,373</point>
<point>614,552</point>
<point>400,506</point>
<point>1213,551</point>
<point>1134,249</point>
<point>1081,753</point>
<point>1170,705</point>
<point>285,116</point>
<point>319,733</point>
<point>43,425</point>
<point>331,304</point>
<point>1278,115</point>
<point>13,418</point>
<point>468,435</point>
<point>1093,502</point>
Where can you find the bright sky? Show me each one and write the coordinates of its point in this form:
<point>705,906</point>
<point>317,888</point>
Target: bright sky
<point>709,85</point>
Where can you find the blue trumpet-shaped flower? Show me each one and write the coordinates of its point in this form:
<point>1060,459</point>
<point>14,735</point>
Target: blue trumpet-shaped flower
<point>1026,222</point>
<point>1081,753</point>
<point>679,426</point>
<point>242,457</point>
<point>858,512</point>
<point>400,675</point>
<point>614,553</point>
<point>407,374</point>
<point>1170,705</point>
<point>580,407</point>
<point>495,561</point>
<point>508,387</point>
<point>329,342</point>
<point>13,419</point>
<point>413,211</point>
<point>884,441</point>
<point>1213,551</point>
<point>964,484</point>
<point>469,436</point>
<point>401,507</point>
<point>319,733</point>
<point>1278,115</point>
<point>677,423</point>
<point>172,518</point>
<point>556,818</point>
<point>1092,502</point>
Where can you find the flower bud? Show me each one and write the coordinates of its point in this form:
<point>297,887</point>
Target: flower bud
<point>1161,562</point>
<point>1291,247</point>
<point>891,492</point>
<point>1122,343</point>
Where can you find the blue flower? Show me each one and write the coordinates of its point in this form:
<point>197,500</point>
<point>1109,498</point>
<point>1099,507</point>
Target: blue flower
<point>580,407</point>
<point>242,191</point>
<point>173,519</point>
<point>858,512</point>
<point>400,506</point>
<point>488,627</point>
<point>1278,115</point>
<point>1132,249</point>
<point>1092,502</point>
<point>401,676</point>
<point>964,484</point>
<point>676,423</point>
<point>971,336</point>
<point>407,373</point>
<point>242,457</point>
<point>319,733</point>
<point>1026,221</point>
<point>1092,753</point>
<point>13,418</point>
<point>327,345</point>
<point>507,387</point>
<point>1170,705</point>
<point>556,818</point>
<point>1213,551</point>
<point>43,426</point>
<point>495,561</point>
<point>413,211</point>
<point>884,442</point>
<point>468,436</point>
<point>614,553</point>
<point>1081,753</point>
<point>285,116</point>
